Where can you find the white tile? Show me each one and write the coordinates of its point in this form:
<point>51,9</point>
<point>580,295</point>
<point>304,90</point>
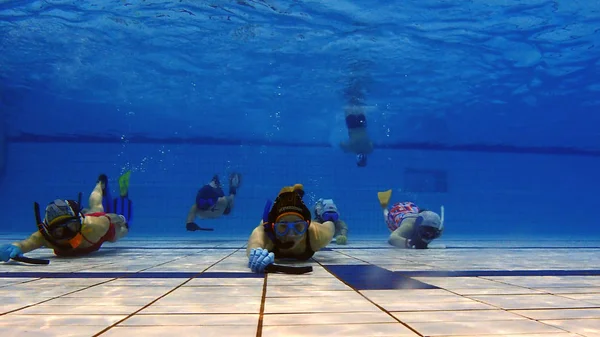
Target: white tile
<point>589,298</point>
<point>584,327</point>
<point>47,292</point>
<point>280,305</point>
<point>67,282</point>
<point>531,301</point>
<point>115,291</point>
<point>102,301</point>
<point>462,283</point>
<point>208,292</point>
<point>553,334</point>
<point>191,320</point>
<point>217,282</point>
<point>79,310</point>
<point>508,290</point>
<point>50,331</point>
<point>455,316</point>
<point>136,282</point>
<point>546,281</point>
<point>252,307</point>
<point>285,291</point>
<point>560,313</point>
<point>401,293</point>
<point>59,320</point>
<point>4,281</point>
<point>11,306</point>
<point>346,330</point>
<point>568,290</point>
<point>327,318</point>
<point>291,280</point>
<point>459,304</point>
<point>161,331</point>
<point>203,298</point>
<point>480,328</point>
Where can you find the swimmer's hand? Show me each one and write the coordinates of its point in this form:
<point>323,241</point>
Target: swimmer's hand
<point>7,252</point>
<point>259,259</point>
<point>341,240</point>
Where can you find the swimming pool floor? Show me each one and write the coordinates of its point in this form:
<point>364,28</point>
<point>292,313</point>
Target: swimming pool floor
<point>183,287</point>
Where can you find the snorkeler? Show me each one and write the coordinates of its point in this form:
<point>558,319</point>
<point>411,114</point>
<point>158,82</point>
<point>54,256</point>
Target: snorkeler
<point>211,202</point>
<point>411,227</point>
<point>70,230</point>
<point>326,210</point>
<point>286,231</point>
<point>356,122</point>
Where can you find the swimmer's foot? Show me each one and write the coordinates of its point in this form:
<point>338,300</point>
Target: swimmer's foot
<point>103,179</point>
<point>215,182</point>
<point>235,180</point>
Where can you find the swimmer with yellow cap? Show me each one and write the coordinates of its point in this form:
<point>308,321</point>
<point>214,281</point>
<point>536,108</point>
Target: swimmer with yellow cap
<point>286,231</point>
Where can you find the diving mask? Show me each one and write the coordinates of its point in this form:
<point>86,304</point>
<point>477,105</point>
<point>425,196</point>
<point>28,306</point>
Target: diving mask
<point>429,225</point>
<point>63,222</point>
<point>327,210</point>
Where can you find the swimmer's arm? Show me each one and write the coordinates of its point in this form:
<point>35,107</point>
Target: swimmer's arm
<point>191,214</point>
<point>259,239</point>
<point>230,199</point>
<point>95,200</point>
<point>343,227</point>
<point>35,241</point>
<point>401,235</point>
<point>396,240</point>
<point>321,234</point>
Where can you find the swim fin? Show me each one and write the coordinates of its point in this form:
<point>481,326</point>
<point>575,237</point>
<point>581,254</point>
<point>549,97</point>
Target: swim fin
<point>123,205</point>
<point>124,183</point>
<point>384,198</point>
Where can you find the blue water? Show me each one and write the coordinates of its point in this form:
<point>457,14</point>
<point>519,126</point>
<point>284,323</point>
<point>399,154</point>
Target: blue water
<point>497,99</point>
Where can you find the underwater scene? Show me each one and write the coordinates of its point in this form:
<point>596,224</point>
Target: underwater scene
<point>299,168</point>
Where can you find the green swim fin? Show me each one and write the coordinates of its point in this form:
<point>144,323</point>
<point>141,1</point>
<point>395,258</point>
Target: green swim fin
<point>124,183</point>
<point>123,205</point>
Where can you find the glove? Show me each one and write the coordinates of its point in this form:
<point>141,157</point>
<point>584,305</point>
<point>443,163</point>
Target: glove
<point>9,251</point>
<point>341,240</point>
<point>192,226</point>
<point>259,259</point>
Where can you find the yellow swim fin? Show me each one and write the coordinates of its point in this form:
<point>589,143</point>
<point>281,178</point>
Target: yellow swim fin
<point>124,183</point>
<point>384,198</point>
<point>294,188</point>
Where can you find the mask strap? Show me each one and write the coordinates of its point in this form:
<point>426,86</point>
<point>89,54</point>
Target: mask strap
<point>442,216</point>
<point>266,225</point>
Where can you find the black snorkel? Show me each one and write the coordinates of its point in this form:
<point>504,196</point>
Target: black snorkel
<point>38,220</point>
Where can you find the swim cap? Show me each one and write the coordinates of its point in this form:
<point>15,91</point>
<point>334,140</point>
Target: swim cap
<point>62,219</point>
<point>289,200</point>
<point>429,226</point>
